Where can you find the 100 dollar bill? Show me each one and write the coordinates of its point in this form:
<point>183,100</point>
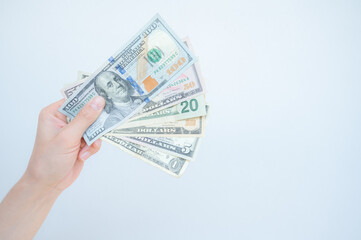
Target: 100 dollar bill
<point>188,108</point>
<point>188,85</point>
<point>148,63</point>
<point>172,165</point>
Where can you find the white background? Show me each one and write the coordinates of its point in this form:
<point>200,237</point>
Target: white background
<point>281,154</point>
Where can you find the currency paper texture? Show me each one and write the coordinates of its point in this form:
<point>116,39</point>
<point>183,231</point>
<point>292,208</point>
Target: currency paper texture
<point>172,165</point>
<point>193,127</point>
<point>189,108</point>
<point>132,77</point>
<point>177,146</point>
<point>71,88</point>
<point>188,85</point>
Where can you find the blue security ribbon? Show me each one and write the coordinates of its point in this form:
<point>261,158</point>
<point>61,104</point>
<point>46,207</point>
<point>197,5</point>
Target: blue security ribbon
<point>120,69</point>
<point>129,79</point>
<point>111,59</point>
<point>135,85</point>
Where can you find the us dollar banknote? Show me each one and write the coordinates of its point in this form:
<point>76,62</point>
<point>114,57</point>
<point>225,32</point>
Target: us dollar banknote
<point>156,159</point>
<point>177,146</point>
<point>189,85</point>
<point>172,165</point>
<point>132,77</point>
<point>189,108</point>
<point>69,89</point>
<point>192,127</point>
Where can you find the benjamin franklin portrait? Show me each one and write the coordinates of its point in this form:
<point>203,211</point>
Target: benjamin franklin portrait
<point>117,93</point>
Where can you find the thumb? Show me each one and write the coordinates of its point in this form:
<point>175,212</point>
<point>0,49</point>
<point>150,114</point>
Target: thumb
<point>87,115</point>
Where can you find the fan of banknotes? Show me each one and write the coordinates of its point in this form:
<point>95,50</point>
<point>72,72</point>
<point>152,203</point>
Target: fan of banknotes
<point>155,99</point>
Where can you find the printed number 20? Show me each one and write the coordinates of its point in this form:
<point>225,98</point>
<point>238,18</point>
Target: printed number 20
<point>193,105</point>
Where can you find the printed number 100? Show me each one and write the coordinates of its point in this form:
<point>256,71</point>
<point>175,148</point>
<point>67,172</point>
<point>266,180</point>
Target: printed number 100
<point>175,66</point>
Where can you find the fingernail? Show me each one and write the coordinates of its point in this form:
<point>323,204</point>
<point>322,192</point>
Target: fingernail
<point>85,156</point>
<point>97,103</point>
<point>98,142</point>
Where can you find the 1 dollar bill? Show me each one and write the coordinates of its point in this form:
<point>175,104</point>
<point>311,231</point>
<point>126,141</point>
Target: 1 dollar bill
<point>174,166</point>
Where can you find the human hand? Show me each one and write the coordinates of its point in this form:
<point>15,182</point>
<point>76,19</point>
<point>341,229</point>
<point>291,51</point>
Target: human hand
<point>57,159</point>
<point>59,150</point>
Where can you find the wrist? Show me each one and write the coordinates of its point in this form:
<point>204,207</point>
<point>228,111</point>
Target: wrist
<point>37,188</point>
<point>25,208</point>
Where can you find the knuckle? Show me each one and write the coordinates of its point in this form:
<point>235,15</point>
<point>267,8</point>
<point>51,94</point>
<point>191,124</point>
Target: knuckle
<point>43,113</point>
<point>97,144</point>
<point>94,150</point>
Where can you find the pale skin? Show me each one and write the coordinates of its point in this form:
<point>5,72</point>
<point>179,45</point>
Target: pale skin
<point>58,157</point>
